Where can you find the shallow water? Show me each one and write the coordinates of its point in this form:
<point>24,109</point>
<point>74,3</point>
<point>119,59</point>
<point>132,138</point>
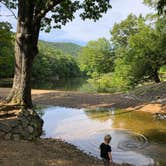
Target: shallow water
<point>137,137</point>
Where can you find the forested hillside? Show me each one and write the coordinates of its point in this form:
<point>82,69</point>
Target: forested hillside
<point>66,48</point>
<point>50,62</point>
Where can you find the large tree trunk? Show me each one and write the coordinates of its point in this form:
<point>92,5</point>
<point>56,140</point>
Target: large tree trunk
<point>156,77</point>
<point>25,51</point>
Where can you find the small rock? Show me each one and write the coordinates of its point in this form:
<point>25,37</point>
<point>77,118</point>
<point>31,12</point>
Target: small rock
<point>30,129</point>
<point>31,112</point>
<point>8,136</point>
<point>1,134</point>
<point>16,137</point>
<point>13,123</point>
<point>4,127</point>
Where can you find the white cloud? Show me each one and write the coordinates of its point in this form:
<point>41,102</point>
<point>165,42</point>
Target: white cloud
<point>83,31</point>
<point>79,30</point>
<point>6,15</point>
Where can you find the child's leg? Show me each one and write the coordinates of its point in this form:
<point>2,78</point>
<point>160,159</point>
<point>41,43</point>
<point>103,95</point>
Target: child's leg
<point>106,162</point>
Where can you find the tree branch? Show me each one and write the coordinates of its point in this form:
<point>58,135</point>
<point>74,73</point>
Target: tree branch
<point>13,14</point>
<point>48,7</point>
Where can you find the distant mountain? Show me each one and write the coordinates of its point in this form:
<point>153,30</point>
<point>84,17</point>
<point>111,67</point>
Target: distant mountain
<point>67,48</point>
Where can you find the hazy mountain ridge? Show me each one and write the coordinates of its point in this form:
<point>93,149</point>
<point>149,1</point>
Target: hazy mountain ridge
<point>65,47</point>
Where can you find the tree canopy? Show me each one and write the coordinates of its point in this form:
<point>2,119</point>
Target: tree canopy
<point>52,63</point>
<point>55,13</point>
<point>143,55</point>
<point>135,55</point>
<point>6,51</point>
<point>97,57</point>
<point>159,5</point>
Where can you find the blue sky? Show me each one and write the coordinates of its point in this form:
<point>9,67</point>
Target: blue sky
<point>81,32</point>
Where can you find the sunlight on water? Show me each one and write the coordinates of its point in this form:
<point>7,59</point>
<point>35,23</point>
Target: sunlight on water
<point>137,138</point>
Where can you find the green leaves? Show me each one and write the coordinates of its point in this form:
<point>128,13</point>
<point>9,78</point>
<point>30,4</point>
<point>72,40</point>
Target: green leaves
<point>55,14</point>
<point>6,51</point>
<point>122,31</point>
<point>12,4</point>
<point>96,57</point>
<point>143,53</point>
<point>159,5</point>
<point>52,63</point>
<point>93,9</point>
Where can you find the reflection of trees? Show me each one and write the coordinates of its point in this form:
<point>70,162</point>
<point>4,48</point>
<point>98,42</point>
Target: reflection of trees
<point>101,115</point>
<point>61,84</point>
<point>39,109</point>
<point>140,122</point>
<point>104,113</point>
<point>157,135</point>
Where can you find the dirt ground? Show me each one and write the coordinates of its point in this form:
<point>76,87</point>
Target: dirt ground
<point>44,152</point>
<point>89,100</point>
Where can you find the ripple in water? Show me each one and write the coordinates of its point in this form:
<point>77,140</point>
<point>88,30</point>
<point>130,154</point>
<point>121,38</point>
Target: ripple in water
<point>135,141</point>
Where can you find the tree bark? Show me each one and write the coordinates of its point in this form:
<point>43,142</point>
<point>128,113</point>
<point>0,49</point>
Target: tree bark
<point>25,51</point>
<point>156,77</point>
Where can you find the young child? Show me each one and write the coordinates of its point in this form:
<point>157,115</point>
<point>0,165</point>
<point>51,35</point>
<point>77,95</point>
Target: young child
<point>105,151</point>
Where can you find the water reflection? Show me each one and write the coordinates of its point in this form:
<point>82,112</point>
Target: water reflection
<point>134,139</point>
<point>61,84</point>
<point>141,122</point>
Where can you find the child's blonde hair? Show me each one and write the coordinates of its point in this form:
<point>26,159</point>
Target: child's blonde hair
<point>107,137</point>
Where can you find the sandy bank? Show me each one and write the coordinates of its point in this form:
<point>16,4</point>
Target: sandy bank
<point>92,101</point>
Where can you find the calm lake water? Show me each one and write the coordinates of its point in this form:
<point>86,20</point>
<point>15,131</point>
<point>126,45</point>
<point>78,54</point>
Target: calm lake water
<point>137,137</point>
<point>62,84</point>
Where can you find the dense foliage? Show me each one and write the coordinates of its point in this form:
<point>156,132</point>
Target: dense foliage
<point>96,57</point>
<point>62,11</point>
<point>6,50</point>
<point>143,55</point>
<point>50,63</point>
<point>135,54</point>
<point>160,5</point>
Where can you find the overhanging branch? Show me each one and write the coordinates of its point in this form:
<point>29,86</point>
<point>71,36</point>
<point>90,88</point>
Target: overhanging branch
<point>13,14</point>
<point>51,4</point>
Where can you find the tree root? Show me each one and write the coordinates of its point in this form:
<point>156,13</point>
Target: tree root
<point>9,107</point>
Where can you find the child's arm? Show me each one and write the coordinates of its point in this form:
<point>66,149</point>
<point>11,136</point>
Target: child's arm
<point>110,157</point>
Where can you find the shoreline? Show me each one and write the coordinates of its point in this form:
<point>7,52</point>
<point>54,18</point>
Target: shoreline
<point>74,99</point>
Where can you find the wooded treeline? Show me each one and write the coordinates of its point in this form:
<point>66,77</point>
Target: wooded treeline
<point>135,54</point>
<point>50,62</point>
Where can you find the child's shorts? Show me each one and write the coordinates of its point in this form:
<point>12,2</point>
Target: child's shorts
<point>106,162</point>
